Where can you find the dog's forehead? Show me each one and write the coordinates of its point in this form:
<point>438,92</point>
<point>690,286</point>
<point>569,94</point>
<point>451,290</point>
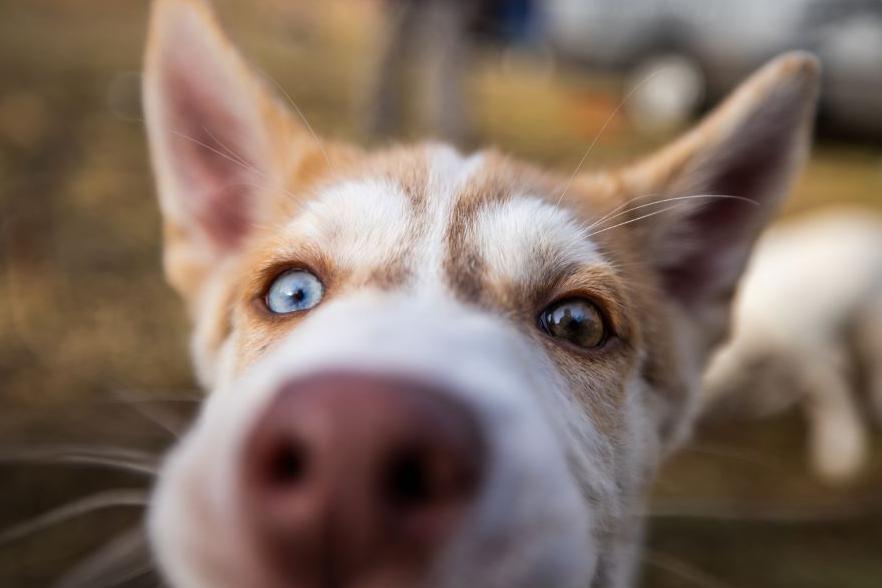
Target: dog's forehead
<point>447,219</point>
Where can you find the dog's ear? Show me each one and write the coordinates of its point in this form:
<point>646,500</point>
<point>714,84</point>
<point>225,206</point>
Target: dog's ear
<point>217,139</point>
<point>710,193</point>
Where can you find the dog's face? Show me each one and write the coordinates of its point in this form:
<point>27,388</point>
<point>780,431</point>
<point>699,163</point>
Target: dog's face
<point>431,369</point>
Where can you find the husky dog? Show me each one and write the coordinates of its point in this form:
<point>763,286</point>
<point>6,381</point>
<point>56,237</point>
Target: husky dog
<point>428,368</point>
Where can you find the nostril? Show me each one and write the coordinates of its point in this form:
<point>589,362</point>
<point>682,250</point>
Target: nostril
<point>422,478</point>
<point>287,464</point>
<point>346,473</point>
<point>406,483</point>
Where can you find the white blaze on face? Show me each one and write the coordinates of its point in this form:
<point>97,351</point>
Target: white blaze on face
<point>449,174</point>
<point>372,223</point>
<point>513,235</point>
<point>356,223</point>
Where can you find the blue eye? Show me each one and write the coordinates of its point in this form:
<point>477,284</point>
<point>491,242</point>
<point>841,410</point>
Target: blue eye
<point>294,291</point>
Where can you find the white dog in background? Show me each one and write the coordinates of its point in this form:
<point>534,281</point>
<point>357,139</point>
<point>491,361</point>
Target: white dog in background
<point>808,332</point>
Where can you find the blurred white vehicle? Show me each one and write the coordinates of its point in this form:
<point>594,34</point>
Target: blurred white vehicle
<point>677,55</point>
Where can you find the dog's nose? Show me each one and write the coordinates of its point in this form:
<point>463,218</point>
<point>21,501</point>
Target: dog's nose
<point>359,478</point>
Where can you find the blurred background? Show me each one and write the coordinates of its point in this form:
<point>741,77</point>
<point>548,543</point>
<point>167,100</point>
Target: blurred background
<point>94,372</point>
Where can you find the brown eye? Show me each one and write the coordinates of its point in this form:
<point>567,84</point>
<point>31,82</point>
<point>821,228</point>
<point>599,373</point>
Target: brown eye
<point>577,321</point>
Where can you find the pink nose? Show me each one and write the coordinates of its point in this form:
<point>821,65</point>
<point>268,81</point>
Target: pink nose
<point>357,479</point>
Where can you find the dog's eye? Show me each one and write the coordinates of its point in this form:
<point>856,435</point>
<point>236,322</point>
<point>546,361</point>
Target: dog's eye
<point>577,321</point>
<point>293,291</point>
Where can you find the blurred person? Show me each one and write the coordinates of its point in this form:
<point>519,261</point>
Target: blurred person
<point>807,333</point>
<point>437,38</point>
<point>677,57</point>
<point>435,35</point>
<point>512,22</point>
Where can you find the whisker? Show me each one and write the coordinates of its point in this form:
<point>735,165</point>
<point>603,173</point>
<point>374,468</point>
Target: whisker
<point>597,137</point>
<point>111,451</point>
<point>156,415</point>
<point>634,220</point>
<point>733,454</point>
<point>122,578</point>
<point>234,158</point>
<point>123,459</point>
<point>154,400</point>
<point>624,205</point>
<point>677,200</point>
<point>115,464</point>
<point>230,156</point>
<point>300,115</point>
<point>671,199</point>
<point>110,557</point>
<point>102,500</point>
<point>682,570</point>
<point>754,514</point>
<point>244,165</point>
<point>229,150</point>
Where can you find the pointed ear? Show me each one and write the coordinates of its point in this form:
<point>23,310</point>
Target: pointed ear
<point>739,164</point>
<point>216,139</point>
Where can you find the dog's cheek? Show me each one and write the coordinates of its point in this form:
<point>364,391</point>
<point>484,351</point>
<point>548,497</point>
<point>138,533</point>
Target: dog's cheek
<point>227,335</point>
<point>212,328</point>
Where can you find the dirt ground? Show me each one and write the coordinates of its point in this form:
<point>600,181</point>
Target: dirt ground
<point>93,343</point>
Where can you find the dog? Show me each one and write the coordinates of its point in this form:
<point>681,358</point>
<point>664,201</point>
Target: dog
<point>808,333</point>
<point>429,368</point>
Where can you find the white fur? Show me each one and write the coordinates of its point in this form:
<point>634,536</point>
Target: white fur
<point>529,527</point>
<point>358,224</point>
<point>807,276</point>
<point>809,282</point>
<point>511,233</point>
<point>448,174</point>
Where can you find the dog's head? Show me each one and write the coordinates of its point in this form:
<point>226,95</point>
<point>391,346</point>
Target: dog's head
<point>431,369</point>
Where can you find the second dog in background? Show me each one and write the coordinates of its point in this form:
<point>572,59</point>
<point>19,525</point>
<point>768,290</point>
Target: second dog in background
<point>808,333</point>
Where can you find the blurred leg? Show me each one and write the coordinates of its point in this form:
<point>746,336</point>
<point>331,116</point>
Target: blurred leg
<point>448,53</point>
<point>868,346</point>
<point>746,382</point>
<point>837,434</point>
<point>386,103</point>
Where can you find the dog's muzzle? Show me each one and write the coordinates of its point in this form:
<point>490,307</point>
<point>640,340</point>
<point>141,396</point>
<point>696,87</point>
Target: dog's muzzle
<point>410,449</point>
<point>357,479</point>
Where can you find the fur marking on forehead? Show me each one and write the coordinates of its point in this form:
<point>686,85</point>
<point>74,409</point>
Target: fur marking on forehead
<point>461,222</point>
<point>522,237</point>
<point>358,223</point>
<point>449,173</point>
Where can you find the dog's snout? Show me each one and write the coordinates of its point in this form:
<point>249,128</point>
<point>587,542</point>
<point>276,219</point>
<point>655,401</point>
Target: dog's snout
<point>359,475</point>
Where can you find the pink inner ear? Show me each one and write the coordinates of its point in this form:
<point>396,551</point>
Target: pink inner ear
<point>210,150</point>
<point>723,230</point>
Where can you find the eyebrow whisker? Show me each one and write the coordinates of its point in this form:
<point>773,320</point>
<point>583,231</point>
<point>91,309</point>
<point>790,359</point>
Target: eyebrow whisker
<point>118,458</point>
<point>618,213</point>
<point>599,134</point>
<point>109,564</point>
<point>120,497</point>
